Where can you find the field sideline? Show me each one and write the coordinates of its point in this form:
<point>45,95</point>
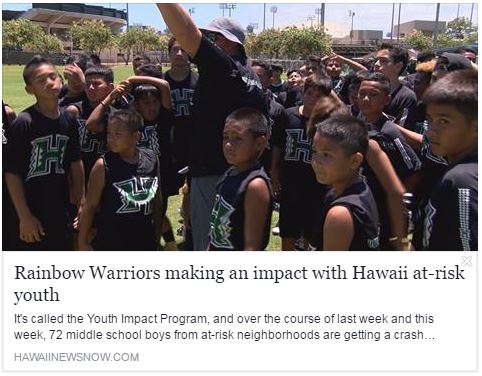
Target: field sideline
<point>13,93</point>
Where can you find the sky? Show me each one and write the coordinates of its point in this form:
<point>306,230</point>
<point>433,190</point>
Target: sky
<point>374,16</point>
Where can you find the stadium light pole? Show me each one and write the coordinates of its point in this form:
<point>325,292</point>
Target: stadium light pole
<point>471,13</point>
<point>311,19</point>
<point>435,32</point>
<point>398,28</point>
<point>352,15</point>
<point>393,16</point>
<point>458,10</point>
<point>273,10</point>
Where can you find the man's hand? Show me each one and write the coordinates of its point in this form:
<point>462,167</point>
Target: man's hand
<point>31,229</point>
<point>74,73</point>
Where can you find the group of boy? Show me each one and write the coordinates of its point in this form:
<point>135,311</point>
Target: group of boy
<point>341,173</point>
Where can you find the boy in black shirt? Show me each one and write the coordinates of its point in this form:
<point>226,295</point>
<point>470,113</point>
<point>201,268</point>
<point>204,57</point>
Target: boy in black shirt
<point>293,177</point>
<point>124,188</point>
<point>451,215</point>
<point>43,156</point>
<point>392,61</point>
<point>241,217</point>
<point>350,216</point>
<point>98,85</point>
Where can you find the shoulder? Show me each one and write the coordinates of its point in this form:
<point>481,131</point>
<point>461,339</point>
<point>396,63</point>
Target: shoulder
<point>463,175</point>
<point>407,93</point>
<point>338,219</point>
<point>258,191</point>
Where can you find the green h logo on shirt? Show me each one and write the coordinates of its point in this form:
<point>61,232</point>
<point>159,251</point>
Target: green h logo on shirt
<point>221,223</point>
<point>47,155</point>
<point>136,194</point>
<point>298,146</point>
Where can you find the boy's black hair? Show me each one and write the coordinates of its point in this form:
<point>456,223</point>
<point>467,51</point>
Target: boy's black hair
<point>325,107</point>
<point>424,56</point>
<point>381,79</point>
<point>398,54</point>
<point>457,89</point>
<point>354,79</point>
<point>350,133</point>
<point>80,60</point>
<point>255,121</point>
<point>142,57</point>
<point>31,65</point>
<point>313,59</point>
<point>150,69</point>
<point>99,70</point>
<point>461,50</point>
<point>145,90</point>
<point>264,65</point>
<point>94,59</point>
<point>129,117</point>
<point>319,82</point>
<point>292,71</point>
<point>277,68</point>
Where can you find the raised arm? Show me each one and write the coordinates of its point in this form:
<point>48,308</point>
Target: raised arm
<point>181,26</point>
<point>161,84</point>
<point>394,189</point>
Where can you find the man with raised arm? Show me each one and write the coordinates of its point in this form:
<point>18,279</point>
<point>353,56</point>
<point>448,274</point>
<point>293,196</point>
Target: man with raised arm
<point>225,84</point>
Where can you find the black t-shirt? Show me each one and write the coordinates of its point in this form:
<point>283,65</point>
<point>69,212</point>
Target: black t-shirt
<point>228,215</point>
<point>225,84</point>
<point>403,106</point>
<point>451,215</point>
<point>279,88</point>
<point>124,221</point>
<point>291,97</point>
<point>182,100</point>
<point>40,151</point>
<point>156,137</point>
<point>296,150</point>
<point>92,145</point>
<point>358,199</point>
<point>65,100</point>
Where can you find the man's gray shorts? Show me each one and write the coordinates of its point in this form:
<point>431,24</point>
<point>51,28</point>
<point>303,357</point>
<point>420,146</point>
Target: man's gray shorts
<point>202,194</point>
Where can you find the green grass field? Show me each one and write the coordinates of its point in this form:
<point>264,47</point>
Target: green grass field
<point>13,93</point>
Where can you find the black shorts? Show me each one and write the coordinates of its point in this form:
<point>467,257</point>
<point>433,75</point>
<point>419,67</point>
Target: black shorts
<point>299,209</point>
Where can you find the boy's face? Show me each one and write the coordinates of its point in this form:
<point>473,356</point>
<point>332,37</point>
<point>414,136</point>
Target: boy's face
<point>331,163</point>
<point>149,107</point>
<point>295,79</point>
<point>178,56</point>
<point>263,76</point>
<point>276,75</point>
<point>371,98</point>
<point>96,88</point>
<point>449,132</point>
<point>240,146</point>
<point>333,68</point>
<point>310,97</point>
<point>119,137</point>
<point>384,63</point>
<point>44,82</point>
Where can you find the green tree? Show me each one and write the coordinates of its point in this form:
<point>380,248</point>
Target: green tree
<point>48,43</point>
<point>138,40</point>
<point>288,43</point>
<point>266,44</point>
<point>460,28</point>
<point>20,33</point>
<point>444,40</point>
<point>418,41</point>
<point>92,36</point>
<point>299,43</point>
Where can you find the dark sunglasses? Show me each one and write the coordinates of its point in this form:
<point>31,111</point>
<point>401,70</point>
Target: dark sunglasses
<point>211,35</point>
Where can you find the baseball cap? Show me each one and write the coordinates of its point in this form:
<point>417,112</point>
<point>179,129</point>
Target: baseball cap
<point>450,62</point>
<point>228,28</point>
